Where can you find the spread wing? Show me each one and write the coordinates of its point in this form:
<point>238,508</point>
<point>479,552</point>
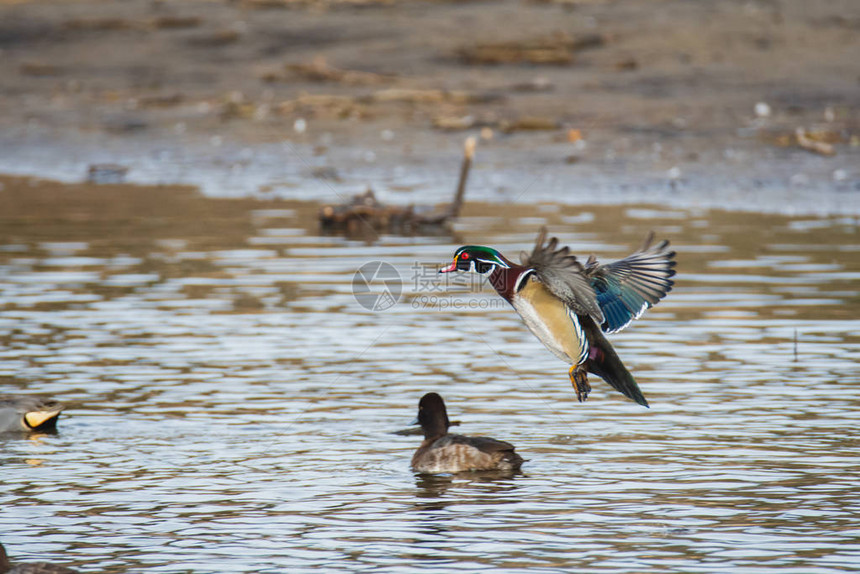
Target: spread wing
<point>626,288</point>
<point>564,276</point>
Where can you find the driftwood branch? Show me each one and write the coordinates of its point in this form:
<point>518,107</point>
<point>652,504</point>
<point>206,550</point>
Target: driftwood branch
<point>454,209</point>
<point>364,212</point>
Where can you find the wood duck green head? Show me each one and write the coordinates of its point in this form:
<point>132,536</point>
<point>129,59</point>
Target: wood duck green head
<point>478,258</point>
<point>569,305</point>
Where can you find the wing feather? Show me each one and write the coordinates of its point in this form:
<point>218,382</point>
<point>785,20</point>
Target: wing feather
<point>482,443</point>
<point>564,276</point>
<point>627,288</point>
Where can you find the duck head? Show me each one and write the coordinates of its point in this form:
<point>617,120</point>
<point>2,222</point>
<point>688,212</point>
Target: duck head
<point>432,416</point>
<point>481,259</point>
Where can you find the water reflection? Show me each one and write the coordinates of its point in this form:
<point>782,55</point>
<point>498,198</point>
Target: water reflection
<point>231,406</point>
<point>437,485</point>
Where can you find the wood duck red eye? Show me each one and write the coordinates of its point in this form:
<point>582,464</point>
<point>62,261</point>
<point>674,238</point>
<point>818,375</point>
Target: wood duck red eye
<point>463,263</point>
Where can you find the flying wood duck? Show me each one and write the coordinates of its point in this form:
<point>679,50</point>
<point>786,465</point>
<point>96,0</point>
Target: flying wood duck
<point>569,305</point>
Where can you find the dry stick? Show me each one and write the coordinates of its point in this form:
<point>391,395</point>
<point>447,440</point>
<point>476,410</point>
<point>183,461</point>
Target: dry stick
<point>454,209</point>
<point>795,345</point>
<point>809,144</point>
<point>468,155</point>
<point>340,216</point>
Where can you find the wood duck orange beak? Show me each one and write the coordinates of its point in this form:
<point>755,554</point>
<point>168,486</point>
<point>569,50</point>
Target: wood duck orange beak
<point>450,268</point>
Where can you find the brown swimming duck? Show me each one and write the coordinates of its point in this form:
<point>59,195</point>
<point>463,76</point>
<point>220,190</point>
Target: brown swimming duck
<point>6,567</point>
<point>449,453</point>
<point>569,305</point>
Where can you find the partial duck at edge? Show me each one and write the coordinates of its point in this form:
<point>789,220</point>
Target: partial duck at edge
<point>6,567</point>
<point>21,413</point>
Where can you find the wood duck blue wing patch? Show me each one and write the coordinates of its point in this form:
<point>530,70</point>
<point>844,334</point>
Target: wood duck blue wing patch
<point>627,288</point>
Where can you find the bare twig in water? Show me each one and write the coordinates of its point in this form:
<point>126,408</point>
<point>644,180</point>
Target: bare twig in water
<point>453,210</point>
<point>795,345</point>
<point>364,209</point>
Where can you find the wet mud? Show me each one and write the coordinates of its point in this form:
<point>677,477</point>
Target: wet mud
<point>747,105</point>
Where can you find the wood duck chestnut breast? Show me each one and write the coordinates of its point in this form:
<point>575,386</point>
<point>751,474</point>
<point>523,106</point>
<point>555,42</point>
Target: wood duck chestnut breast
<point>569,305</point>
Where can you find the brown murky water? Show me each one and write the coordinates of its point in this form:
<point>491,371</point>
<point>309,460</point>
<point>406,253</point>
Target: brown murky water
<point>231,405</point>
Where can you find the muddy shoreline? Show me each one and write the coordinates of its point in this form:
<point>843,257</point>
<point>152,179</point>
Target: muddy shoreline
<point>674,103</point>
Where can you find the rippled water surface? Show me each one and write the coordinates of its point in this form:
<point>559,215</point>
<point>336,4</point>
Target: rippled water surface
<point>231,407</point>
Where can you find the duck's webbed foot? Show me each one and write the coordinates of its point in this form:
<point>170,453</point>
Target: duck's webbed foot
<point>579,380</point>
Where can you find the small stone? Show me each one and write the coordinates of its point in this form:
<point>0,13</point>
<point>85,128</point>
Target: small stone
<point>106,173</point>
<point>326,172</point>
<point>261,112</point>
<point>762,110</point>
<point>627,65</point>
